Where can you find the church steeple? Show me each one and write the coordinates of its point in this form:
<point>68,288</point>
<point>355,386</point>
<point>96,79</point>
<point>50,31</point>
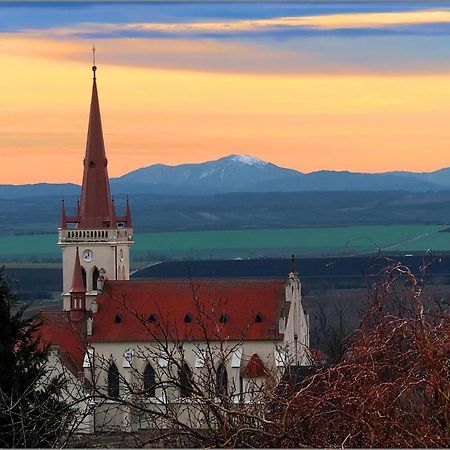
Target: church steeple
<point>94,234</point>
<point>96,210</point>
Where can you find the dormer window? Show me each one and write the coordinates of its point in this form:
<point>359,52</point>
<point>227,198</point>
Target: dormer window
<point>258,318</point>
<point>223,318</point>
<point>152,318</point>
<point>187,318</point>
<point>91,163</point>
<point>118,319</point>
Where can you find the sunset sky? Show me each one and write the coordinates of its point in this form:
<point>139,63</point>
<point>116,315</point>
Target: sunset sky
<point>340,86</point>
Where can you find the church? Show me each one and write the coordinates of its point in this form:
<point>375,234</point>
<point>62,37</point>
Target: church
<point>117,335</point>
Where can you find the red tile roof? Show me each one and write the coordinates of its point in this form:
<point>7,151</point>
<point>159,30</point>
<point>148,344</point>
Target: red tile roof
<point>57,330</point>
<point>255,368</point>
<point>125,308</point>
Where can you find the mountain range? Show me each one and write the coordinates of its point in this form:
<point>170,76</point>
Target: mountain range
<point>244,173</point>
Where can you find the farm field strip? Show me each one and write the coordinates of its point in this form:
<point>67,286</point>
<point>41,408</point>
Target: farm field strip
<point>244,243</point>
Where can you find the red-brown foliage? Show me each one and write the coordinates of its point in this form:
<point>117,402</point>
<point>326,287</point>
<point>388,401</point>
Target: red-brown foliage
<point>391,389</point>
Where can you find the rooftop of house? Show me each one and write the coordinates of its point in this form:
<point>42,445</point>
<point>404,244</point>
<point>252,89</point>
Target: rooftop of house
<point>197,310</point>
<point>57,329</point>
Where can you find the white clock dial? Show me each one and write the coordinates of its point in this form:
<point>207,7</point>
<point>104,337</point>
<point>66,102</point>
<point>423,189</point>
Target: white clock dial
<point>88,255</point>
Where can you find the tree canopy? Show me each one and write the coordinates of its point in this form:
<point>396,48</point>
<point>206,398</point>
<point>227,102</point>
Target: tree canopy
<point>32,409</point>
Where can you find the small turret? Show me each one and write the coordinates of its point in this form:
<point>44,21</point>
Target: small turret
<point>128,215</point>
<point>77,292</point>
<point>63,221</point>
<point>293,265</point>
<point>113,222</point>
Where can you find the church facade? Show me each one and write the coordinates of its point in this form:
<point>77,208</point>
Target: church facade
<point>122,337</point>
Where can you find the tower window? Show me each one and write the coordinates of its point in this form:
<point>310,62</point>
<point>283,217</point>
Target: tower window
<point>83,276</point>
<point>95,275</point>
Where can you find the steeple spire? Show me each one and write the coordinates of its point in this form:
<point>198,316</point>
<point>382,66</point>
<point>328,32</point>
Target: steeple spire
<point>96,209</point>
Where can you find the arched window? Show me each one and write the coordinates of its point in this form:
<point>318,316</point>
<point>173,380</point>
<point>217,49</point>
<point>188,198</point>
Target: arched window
<point>113,381</point>
<point>222,380</point>
<point>150,381</point>
<point>185,379</point>
<point>95,275</point>
<point>83,275</point>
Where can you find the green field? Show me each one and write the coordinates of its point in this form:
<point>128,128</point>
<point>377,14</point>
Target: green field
<point>351,240</point>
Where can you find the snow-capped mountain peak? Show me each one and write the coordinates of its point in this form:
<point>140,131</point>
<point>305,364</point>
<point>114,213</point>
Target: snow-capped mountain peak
<point>232,173</point>
<point>249,160</point>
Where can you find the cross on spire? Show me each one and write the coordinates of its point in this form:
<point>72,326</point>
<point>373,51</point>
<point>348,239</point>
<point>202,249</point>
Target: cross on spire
<point>94,67</point>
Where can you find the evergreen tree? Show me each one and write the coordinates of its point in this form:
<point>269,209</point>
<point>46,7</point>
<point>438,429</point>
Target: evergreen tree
<point>32,410</point>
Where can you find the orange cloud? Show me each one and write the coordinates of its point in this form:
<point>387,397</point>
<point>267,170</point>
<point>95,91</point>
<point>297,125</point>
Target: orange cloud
<point>309,122</point>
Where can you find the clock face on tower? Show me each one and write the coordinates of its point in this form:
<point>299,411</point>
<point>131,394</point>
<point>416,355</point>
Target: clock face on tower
<point>88,255</point>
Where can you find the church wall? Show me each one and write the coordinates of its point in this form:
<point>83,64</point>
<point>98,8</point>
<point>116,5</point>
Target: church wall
<point>146,352</point>
<point>114,414</point>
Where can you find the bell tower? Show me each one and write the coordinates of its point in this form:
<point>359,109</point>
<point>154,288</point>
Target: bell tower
<point>102,238</point>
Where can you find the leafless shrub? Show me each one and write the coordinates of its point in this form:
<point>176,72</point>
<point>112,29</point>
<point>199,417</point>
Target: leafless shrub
<point>391,388</point>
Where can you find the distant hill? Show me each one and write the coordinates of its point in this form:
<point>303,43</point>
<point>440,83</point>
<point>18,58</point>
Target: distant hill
<point>12,191</point>
<point>234,173</point>
<point>243,173</point>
